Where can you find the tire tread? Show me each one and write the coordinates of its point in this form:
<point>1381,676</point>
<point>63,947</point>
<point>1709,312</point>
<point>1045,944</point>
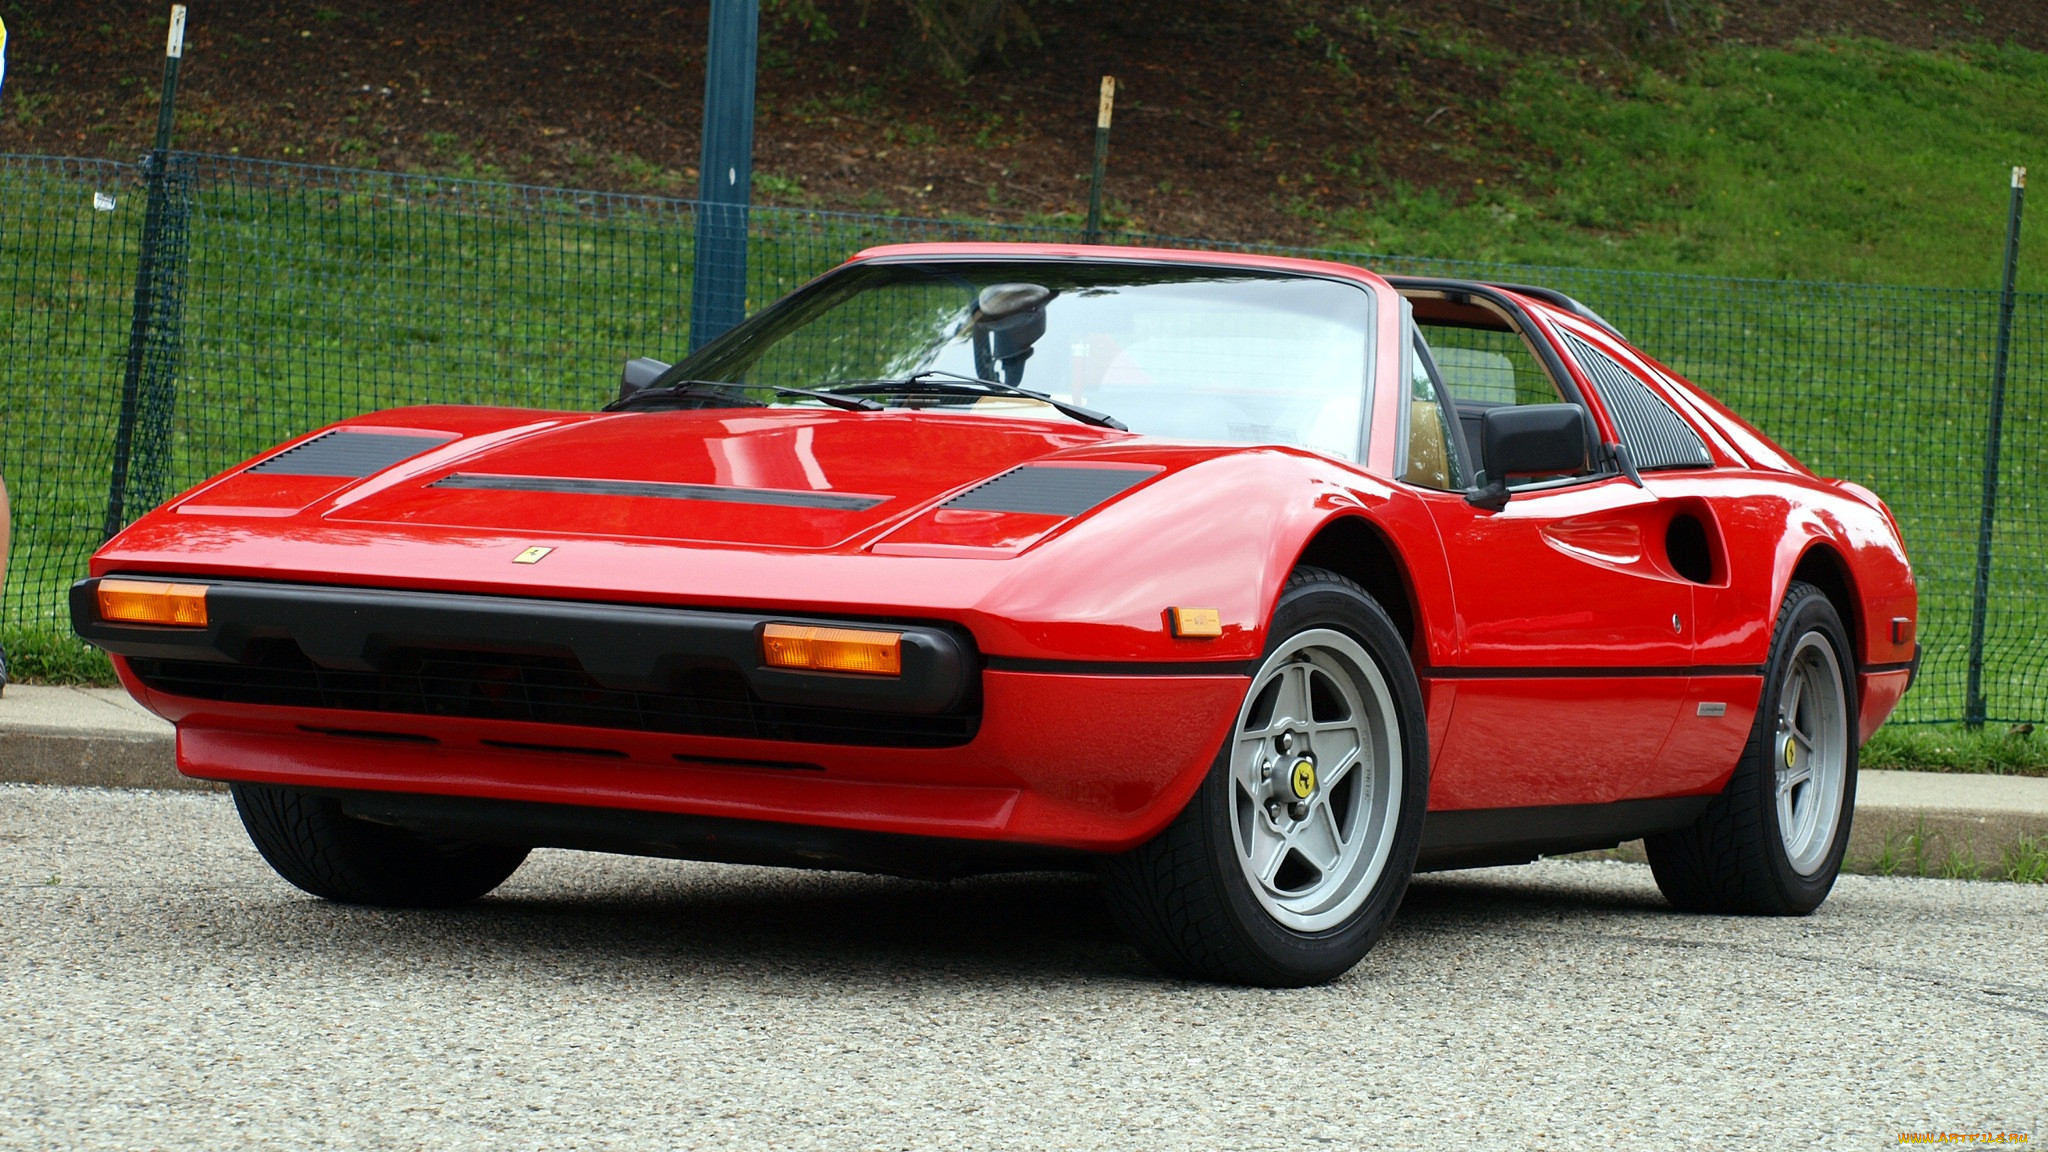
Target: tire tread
<point>308,840</point>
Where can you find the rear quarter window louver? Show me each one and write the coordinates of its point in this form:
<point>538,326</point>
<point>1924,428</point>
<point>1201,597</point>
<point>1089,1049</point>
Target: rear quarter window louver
<point>1656,436</point>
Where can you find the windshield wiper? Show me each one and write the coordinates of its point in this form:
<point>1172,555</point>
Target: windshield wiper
<point>848,403</point>
<point>953,383</point>
<point>719,394</point>
<point>711,393</point>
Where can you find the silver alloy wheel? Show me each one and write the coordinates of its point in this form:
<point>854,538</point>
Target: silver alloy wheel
<point>1811,752</point>
<point>1315,780</point>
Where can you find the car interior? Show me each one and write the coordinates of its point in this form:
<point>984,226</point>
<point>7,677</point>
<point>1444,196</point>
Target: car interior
<point>1471,356</point>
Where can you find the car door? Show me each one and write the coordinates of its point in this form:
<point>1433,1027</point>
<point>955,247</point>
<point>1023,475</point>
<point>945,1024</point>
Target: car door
<point>1574,639</point>
<point>1721,534</point>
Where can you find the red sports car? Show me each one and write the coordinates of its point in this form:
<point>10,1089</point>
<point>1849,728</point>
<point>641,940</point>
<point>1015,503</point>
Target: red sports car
<point>1256,584</point>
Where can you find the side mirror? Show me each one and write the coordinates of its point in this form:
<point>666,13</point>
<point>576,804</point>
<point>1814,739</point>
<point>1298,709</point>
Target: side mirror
<point>639,374</point>
<point>1532,440</point>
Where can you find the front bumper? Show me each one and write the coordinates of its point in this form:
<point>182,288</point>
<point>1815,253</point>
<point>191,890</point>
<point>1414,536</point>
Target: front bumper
<point>1092,759</point>
<point>618,647</point>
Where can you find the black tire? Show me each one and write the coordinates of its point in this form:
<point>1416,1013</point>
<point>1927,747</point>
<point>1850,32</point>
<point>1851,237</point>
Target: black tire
<point>311,842</point>
<point>1734,859</point>
<point>1184,899</point>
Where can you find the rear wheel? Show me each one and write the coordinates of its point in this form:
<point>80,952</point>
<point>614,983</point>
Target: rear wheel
<point>311,842</point>
<point>1772,842</point>
<point>1290,860</point>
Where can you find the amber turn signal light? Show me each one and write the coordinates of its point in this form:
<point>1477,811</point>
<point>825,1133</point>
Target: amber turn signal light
<point>832,649</point>
<point>1197,623</point>
<point>148,602</point>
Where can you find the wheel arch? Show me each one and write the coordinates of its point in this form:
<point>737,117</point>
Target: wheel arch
<point>1359,550</point>
<point>1823,566</point>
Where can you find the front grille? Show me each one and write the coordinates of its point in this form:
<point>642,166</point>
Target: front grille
<point>541,690</point>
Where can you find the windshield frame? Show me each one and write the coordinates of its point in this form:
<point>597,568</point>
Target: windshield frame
<point>692,366</point>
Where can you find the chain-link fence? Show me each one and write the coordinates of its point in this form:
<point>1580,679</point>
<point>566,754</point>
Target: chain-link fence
<point>280,297</point>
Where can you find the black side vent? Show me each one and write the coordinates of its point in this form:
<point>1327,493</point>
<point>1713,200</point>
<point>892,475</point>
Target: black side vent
<point>1655,435</point>
<point>1049,489</point>
<point>343,452</point>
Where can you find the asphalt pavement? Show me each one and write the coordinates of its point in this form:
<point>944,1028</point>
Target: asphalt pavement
<point>160,988</point>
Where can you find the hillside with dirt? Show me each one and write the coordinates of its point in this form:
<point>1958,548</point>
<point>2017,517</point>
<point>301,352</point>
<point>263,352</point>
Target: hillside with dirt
<point>1233,120</point>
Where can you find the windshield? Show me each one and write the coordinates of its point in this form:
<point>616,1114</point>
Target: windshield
<point>1187,352</point>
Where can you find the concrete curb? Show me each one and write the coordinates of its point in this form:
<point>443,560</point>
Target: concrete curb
<point>90,737</point>
<point>1943,823</point>
<point>1954,824</point>
<point>92,762</point>
<point>1910,823</point>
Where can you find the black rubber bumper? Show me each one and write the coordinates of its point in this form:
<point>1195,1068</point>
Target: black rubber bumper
<point>624,647</point>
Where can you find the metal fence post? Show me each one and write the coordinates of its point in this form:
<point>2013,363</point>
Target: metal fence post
<point>718,294</point>
<point>1973,703</point>
<point>142,443</point>
<point>1102,112</point>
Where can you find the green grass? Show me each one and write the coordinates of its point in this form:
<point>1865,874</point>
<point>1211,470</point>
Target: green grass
<point>2027,861</point>
<point>2002,749</point>
<point>1921,853</point>
<point>40,656</point>
<point>1834,160</point>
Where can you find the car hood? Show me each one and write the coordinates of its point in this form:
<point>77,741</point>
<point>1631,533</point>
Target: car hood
<point>779,478</point>
<point>1045,538</point>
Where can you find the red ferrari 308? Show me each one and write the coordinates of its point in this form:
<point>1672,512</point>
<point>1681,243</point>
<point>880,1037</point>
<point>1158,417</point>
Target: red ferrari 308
<point>1253,584</point>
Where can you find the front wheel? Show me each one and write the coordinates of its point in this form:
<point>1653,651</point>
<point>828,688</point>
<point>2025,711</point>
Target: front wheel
<point>311,842</point>
<point>1290,860</point>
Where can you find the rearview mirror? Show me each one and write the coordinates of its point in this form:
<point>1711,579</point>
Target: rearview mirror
<point>1530,440</point>
<point>639,374</point>
<point>1008,320</point>
<point>1000,300</point>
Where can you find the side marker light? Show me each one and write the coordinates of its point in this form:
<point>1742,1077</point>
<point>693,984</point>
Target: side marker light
<point>149,602</point>
<point>1197,623</point>
<point>1902,630</point>
<point>832,649</point>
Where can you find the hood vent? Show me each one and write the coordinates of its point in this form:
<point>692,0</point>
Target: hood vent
<point>343,452</point>
<point>1049,489</point>
<point>661,490</point>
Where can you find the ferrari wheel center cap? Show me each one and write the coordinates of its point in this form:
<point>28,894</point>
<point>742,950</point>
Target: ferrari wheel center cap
<point>1301,780</point>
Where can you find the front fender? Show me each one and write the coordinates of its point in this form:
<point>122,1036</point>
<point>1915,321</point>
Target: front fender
<point>1221,534</point>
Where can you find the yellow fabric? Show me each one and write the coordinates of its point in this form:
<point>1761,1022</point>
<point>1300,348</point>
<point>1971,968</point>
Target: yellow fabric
<point>1428,463</point>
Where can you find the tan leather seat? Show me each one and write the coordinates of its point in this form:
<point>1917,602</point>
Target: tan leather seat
<point>1429,463</point>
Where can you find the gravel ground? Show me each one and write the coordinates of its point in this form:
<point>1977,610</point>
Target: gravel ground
<point>159,987</point>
